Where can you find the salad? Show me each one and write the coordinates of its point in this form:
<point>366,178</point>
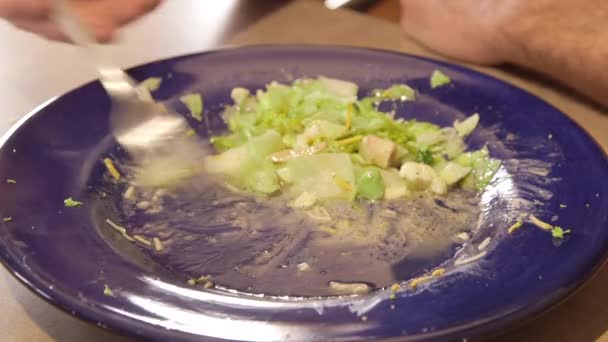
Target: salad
<point>316,140</point>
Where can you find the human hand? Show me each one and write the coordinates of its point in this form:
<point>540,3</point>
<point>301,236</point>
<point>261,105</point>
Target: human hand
<point>103,17</point>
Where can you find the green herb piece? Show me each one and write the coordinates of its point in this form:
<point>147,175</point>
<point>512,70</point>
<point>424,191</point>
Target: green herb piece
<point>107,291</point>
<point>151,84</point>
<point>439,79</point>
<point>559,233</point>
<point>425,156</point>
<point>194,102</point>
<point>69,203</point>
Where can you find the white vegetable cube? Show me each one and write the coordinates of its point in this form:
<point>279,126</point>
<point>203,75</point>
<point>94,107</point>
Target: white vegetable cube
<point>438,186</point>
<point>377,150</point>
<point>453,172</point>
<point>395,186</point>
<point>418,176</point>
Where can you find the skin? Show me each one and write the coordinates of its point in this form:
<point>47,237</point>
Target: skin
<point>103,17</point>
<point>566,40</point>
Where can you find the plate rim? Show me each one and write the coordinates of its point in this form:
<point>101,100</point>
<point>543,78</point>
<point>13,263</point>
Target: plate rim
<point>127,326</point>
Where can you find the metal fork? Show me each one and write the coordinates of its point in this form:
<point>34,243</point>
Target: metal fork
<point>138,123</point>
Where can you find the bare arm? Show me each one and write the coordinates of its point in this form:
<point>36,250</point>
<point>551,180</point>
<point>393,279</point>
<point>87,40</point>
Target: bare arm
<point>566,40</point>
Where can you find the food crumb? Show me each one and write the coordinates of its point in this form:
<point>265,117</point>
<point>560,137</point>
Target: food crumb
<point>11,181</point>
<point>158,245</point>
<point>364,318</point>
<point>7,219</point>
<point>563,206</point>
<point>70,203</point>
<point>550,136</point>
<point>303,266</point>
<point>142,239</point>
<point>107,290</point>
<point>587,205</point>
<point>515,226</point>
<point>484,244</point>
<point>111,168</point>
<point>464,236</point>
<point>540,224</point>
<point>438,272</point>
<point>417,281</point>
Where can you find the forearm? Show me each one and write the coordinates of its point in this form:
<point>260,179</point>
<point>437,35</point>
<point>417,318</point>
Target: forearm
<point>568,45</point>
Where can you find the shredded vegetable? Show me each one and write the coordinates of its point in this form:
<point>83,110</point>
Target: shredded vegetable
<point>315,136</point>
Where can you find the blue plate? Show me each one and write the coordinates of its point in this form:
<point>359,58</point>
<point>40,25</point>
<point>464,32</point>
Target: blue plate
<point>551,168</point>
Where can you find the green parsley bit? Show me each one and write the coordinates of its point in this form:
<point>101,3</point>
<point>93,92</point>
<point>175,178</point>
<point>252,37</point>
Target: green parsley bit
<point>11,181</point>
<point>69,202</point>
<point>439,79</point>
<point>559,233</point>
<point>7,219</point>
<point>194,102</point>
<point>152,83</point>
<point>107,290</point>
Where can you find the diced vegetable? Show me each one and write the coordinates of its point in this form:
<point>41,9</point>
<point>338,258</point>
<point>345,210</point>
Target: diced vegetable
<point>438,79</point>
<point>418,176</point>
<point>328,144</point>
<point>340,88</point>
<point>370,184</point>
<point>482,168</point>
<point>326,175</point>
<point>247,165</point>
<point>559,232</point>
<point>194,102</point>
<point>69,202</point>
<point>453,172</point>
<point>377,150</point>
<point>401,92</point>
<point>151,84</point>
<point>394,185</point>
<point>467,125</point>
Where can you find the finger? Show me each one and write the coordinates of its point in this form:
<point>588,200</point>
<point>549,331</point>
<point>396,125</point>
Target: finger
<point>24,9</point>
<point>104,17</point>
<point>45,28</point>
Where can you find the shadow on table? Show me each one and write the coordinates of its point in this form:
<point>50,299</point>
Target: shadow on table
<point>57,324</point>
<point>583,317</point>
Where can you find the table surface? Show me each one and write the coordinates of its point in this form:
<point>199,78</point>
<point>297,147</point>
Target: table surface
<point>205,24</point>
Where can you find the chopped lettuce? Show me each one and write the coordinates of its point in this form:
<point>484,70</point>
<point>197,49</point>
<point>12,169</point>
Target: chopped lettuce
<point>194,102</point>
<point>314,139</point>
<point>151,84</point>
<point>467,125</point>
<point>325,175</point>
<point>482,167</point>
<point>438,79</point>
<point>401,92</point>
